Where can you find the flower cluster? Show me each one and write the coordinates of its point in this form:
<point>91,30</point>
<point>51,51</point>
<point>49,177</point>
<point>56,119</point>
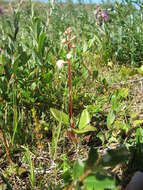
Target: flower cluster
<point>100,16</point>
<point>60,63</point>
<point>0,10</point>
<point>66,41</point>
<point>104,15</point>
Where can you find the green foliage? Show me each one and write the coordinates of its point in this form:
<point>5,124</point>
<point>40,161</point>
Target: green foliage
<point>140,70</point>
<point>99,182</point>
<point>78,169</point>
<point>60,116</point>
<point>92,174</point>
<point>30,162</point>
<point>84,123</point>
<point>33,90</point>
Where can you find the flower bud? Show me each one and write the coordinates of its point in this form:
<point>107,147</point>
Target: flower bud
<point>68,31</point>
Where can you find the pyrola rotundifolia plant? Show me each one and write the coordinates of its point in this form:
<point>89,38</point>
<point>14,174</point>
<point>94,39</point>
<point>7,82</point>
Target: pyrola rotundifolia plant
<point>67,41</point>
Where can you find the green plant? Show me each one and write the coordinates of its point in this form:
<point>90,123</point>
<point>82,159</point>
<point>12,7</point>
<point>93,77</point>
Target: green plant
<point>92,174</point>
<point>28,159</point>
<point>33,90</point>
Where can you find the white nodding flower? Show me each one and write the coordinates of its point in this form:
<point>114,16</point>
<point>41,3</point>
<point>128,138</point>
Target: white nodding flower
<point>63,41</point>
<point>73,38</point>
<point>60,63</point>
<point>69,56</point>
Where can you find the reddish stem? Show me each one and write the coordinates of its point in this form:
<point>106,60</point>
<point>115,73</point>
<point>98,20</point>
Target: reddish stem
<point>70,86</point>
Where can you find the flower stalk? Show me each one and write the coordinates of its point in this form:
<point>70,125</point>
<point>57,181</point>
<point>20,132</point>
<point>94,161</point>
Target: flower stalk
<point>70,85</point>
<point>60,64</point>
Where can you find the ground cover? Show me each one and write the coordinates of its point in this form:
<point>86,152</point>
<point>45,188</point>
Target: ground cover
<point>70,95</point>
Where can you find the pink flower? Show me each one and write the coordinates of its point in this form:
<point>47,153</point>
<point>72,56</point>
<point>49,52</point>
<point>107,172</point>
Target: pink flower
<point>105,16</point>
<point>0,10</point>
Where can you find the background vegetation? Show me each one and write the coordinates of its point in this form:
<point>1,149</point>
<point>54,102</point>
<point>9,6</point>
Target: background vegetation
<point>38,147</point>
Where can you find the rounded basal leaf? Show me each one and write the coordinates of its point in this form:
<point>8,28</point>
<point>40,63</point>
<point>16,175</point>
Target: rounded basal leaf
<point>84,119</point>
<point>60,116</point>
<point>99,182</point>
<point>78,169</point>
<point>86,129</point>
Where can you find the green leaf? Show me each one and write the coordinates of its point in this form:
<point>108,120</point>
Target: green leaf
<point>21,170</point>
<point>120,125</point>
<point>126,72</point>
<point>66,175</point>
<point>140,70</point>
<point>139,135</point>
<point>110,118</point>
<point>15,65</point>
<point>114,102</point>
<point>84,119</point>
<point>133,116</point>
<point>41,41</point>
<point>91,42</point>
<point>95,74</point>
<point>104,81</point>
<point>92,159</point>
<point>124,92</point>
<point>85,47</point>
<point>137,122</point>
<point>99,182</point>
<point>2,63</point>
<point>86,129</point>
<point>60,116</point>
<point>112,157</point>
<point>78,169</point>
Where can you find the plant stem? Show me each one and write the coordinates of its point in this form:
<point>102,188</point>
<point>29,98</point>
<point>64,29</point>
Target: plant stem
<point>70,86</point>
